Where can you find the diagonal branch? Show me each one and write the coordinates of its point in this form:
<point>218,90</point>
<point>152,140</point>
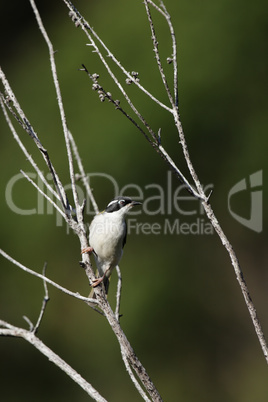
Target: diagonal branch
<point>157,55</point>
<point>44,304</point>
<point>166,15</point>
<point>156,144</point>
<point>199,192</point>
<point>29,336</point>
<point>116,103</point>
<point>76,295</point>
<point>239,276</point>
<point>44,195</point>
<point>79,20</point>
<point>22,119</point>
<point>61,108</point>
<point>24,150</point>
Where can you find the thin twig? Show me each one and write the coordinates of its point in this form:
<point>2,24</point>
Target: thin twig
<point>29,129</point>
<point>79,20</point>
<point>199,192</point>
<point>118,293</point>
<point>96,209</point>
<point>61,108</point>
<point>24,150</point>
<point>44,303</point>
<point>116,103</point>
<point>179,174</point>
<point>29,336</point>
<point>82,173</point>
<point>87,300</point>
<point>44,195</point>
<point>157,55</point>
<point>240,278</point>
<point>166,15</point>
<point>79,227</point>
<point>128,351</point>
<point>157,144</point>
<point>133,378</point>
<point>29,322</point>
<point>86,27</point>
<point>211,216</point>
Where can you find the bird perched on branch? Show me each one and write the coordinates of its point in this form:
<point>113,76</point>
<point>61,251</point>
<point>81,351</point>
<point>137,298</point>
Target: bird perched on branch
<point>107,237</point>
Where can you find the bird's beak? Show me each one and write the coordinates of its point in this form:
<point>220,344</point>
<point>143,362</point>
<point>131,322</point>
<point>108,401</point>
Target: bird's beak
<point>133,203</point>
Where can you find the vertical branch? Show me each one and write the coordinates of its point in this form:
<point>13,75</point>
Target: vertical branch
<point>174,52</point>
<point>61,108</point>
<point>166,15</point>
<point>90,33</point>
<point>44,304</point>
<point>177,121</point>
<point>157,55</point>
<point>22,119</point>
<point>118,293</point>
<point>83,173</point>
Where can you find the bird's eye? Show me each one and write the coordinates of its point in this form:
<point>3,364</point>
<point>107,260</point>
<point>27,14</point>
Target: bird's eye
<point>122,202</point>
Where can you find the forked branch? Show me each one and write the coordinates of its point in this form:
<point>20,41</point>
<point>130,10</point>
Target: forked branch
<point>7,329</point>
<point>196,191</point>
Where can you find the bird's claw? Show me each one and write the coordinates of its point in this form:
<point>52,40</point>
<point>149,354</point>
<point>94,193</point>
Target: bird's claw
<point>97,281</point>
<point>88,250</point>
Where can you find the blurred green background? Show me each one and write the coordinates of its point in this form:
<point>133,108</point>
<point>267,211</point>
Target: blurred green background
<point>182,309</point>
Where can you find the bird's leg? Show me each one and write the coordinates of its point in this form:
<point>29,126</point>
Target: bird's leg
<point>97,281</point>
<point>88,250</point>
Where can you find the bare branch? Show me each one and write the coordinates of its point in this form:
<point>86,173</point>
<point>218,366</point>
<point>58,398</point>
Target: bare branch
<point>199,192</point>
<point>118,293</point>
<point>128,351</point>
<point>62,113</point>
<point>133,365</point>
<point>29,322</point>
<point>240,278</point>
<point>29,336</point>
<point>104,95</point>
<point>156,145</point>
<point>79,226</point>
<point>157,55</point>
<point>82,173</point>
<point>29,129</point>
<point>87,300</point>
<point>90,33</point>
<point>178,173</point>
<point>24,150</point>
<point>166,15</point>
<point>44,195</point>
<point>44,304</point>
<point>133,378</point>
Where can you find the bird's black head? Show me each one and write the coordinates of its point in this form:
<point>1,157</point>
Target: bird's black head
<point>121,202</point>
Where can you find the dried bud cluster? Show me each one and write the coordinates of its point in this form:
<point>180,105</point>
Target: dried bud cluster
<point>74,18</point>
<point>135,76</point>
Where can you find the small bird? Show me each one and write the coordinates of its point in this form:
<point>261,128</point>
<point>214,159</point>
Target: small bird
<point>107,237</point>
